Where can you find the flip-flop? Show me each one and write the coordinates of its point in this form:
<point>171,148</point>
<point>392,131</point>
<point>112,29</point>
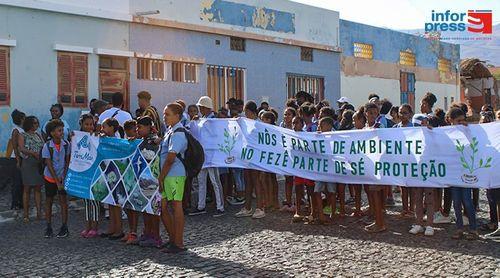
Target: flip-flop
<point>458,235</point>
<point>472,236</point>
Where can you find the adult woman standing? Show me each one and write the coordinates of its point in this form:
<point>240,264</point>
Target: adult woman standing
<point>30,143</point>
<point>56,111</point>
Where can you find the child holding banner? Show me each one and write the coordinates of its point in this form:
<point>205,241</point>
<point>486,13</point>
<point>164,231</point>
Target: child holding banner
<point>375,192</point>
<point>251,183</point>
<point>325,125</point>
<point>287,204</point>
<point>405,117</point>
<point>359,121</point>
<point>421,193</point>
<point>462,195</point>
<point>56,155</point>
<point>300,183</point>
<point>130,128</point>
<point>269,179</point>
<point>109,128</point>
<point>150,145</point>
<point>87,124</point>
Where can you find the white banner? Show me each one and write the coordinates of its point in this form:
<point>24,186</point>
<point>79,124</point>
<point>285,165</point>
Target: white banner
<point>417,157</point>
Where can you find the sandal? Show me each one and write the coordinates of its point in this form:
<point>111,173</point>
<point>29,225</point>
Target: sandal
<point>458,235</point>
<point>473,235</point>
<point>297,218</point>
<point>488,227</point>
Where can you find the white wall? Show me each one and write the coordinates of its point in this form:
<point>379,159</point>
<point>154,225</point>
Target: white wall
<point>357,89</point>
<point>439,89</point>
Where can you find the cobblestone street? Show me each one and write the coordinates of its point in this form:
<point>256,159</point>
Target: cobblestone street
<point>269,247</point>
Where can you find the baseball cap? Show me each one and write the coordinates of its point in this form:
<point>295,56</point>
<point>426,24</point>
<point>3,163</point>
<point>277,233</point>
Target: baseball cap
<point>344,100</point>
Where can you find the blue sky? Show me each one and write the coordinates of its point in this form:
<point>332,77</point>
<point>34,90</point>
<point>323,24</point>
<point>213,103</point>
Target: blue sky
<point>401,14</point>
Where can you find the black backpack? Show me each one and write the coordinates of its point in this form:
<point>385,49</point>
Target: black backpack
<point>194,157</point>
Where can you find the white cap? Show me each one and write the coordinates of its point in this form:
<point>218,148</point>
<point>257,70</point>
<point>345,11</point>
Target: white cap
<point>343,100</point>
<point>206,101</point>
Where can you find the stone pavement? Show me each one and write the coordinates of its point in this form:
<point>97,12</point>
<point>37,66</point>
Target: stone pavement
<point>269,247</point>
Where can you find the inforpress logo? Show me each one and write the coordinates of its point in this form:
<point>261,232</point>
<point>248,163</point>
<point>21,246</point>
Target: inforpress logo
<point>481,18</point>
<point>475,21</point>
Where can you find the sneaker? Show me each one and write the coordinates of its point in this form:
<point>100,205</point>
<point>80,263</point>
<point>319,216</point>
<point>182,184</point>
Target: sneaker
<point>92,234</point>
<point>416,229</point>
<point>259,213</point>
<point>493,235</point>
<point>465,219</point>
<point>48,232</point>
<point>131,239</point>
<point>244,213</point>
<point>235,201</point>
<point>230,200</point>
<point>240,200</point>
<point>84,233</point>
<point>429,231</point>
<point>197,212</point>
<point>219,213</point>
<point>439,218</point>
<point>63,232</point>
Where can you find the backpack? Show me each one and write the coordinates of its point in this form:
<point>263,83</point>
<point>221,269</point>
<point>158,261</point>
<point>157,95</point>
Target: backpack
<point>51,152</point>
<point>194,157</point>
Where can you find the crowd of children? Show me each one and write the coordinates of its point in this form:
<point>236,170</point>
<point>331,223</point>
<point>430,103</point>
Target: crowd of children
<point>314,203</point>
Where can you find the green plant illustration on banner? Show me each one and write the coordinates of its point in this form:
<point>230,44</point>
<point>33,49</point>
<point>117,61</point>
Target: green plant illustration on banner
<point>470,164</point>
<point>229,143</point>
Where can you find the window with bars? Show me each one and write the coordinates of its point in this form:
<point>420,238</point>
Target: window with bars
<point>314,85</point>
<point>407,58</point>
<point>306,54</point>
<point>72,78</point>
<point>224,83</point>
<point>184,72</point>
<point>407,88</point>
<point>4,76</point>
<point>444,65</point>
<point>237,44</point>
<point>150,69</point>
<point>363,50</point>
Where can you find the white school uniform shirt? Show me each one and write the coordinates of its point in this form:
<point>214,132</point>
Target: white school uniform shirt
<point>121,116</point>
